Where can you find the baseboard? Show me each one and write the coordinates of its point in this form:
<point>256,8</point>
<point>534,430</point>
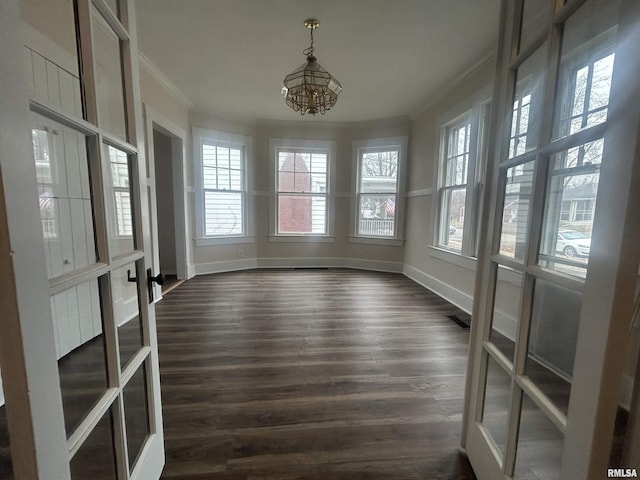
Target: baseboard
<point>460,299</point>
<point>191,271</point>
<point>300,262</point>
<point>226,266</point>
<point>331,262</point>
<point>375,265</point>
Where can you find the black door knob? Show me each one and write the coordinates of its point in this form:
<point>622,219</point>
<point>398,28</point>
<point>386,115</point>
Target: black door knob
<point>159,279</point>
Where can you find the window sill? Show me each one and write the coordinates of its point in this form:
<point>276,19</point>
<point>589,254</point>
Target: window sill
<point>231,240</point>
<point>389,242</point>
<point>453,257</point>
<point>302,238</point>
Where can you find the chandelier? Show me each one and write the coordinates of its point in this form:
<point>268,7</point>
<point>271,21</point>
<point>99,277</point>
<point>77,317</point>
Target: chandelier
<point>310,88</point>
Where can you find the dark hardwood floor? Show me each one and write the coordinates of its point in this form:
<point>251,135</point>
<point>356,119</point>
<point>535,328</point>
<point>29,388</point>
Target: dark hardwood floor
<point>311,374</point>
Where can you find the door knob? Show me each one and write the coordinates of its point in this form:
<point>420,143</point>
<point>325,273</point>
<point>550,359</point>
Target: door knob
<point>159,279</point>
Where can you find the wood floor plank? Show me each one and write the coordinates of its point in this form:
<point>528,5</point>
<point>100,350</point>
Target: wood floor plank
<point>310,374</point>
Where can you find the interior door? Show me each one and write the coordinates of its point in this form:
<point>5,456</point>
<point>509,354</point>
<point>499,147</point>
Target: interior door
<point>549,315</point>
<point>87,168</point>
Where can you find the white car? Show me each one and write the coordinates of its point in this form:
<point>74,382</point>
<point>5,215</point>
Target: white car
<point>572,243</point>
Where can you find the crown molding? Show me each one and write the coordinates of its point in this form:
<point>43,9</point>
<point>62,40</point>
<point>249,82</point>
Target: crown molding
<point>453,84</point>
<point>163,80</point>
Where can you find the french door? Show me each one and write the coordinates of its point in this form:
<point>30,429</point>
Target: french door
<point>84,173</point>
<point>558,252</point>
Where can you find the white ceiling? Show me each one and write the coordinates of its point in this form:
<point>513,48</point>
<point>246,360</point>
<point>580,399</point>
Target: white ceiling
<point>229,57</point>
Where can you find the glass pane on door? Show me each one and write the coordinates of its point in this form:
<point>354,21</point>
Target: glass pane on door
<point>540,445</point>
<point>109,89</point>
<point>527,103</point>
<point>515,211</point>
<point>119,202</point>
<point>96,457</point>
<point>506,311</point>
<point>552,340</point>
<point>51,74</point>
<point>64,195</point>
<point>80,346</point>
<point>126,310</point>
<point>586,67</point>
<point>570,205</point>
<point>497,399</point>
<point>136,413</point>
<point>535,18</point>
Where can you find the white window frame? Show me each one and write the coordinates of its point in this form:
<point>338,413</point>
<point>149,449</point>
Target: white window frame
<point>359,148</point>
<point>477,115</point>
<point>276,145</point>
<point>201,137</point>
<point>118,206</point>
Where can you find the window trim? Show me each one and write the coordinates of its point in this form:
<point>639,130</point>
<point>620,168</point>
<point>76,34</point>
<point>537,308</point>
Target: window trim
<point>203,136</point>
<point>401,143</point>
<point>478,116</point>
<point>114,190</point>
<point>277,144</point>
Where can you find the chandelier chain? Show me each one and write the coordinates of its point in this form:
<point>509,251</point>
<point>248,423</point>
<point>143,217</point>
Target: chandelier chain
<point>309,51</point>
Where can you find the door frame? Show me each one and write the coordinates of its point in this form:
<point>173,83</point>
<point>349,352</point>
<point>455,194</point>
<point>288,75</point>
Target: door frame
<point>156,121</point>
<point>31,384</point>
<point>39,444</point>
<point>609,286</point>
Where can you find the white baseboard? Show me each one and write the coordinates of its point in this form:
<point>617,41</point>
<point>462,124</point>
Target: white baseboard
<point>226,266</point>
<point>300,262</point>
<point>375,265</point>
<point>191,271</point>
<point>460,299</point>
<point>331,262</point>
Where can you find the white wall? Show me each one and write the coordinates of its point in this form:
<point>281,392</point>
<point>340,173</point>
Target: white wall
<point>453,280</point>
<point>264,252</point>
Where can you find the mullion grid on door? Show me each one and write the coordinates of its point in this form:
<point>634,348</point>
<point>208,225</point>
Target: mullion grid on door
<point>522,384</point>
<point>98,165</point>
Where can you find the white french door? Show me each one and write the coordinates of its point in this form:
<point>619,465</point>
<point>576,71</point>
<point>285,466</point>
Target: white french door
<point>558,251</point>
<point>84,171</point>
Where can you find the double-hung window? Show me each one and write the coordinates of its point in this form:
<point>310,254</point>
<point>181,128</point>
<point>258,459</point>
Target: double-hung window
<point>379,187</point>
<point>121,195</point>
<point>453,195</point>
<point>302,179</point>
<point>462,144</point>
<point>221,173</point>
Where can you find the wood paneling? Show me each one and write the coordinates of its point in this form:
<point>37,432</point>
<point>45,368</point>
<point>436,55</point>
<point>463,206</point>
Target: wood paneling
<point>314,374</point>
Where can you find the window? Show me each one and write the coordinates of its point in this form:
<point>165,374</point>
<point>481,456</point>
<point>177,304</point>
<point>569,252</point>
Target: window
<point>379,201</point>
<point>42,153</point>
<point>222,207</point>
<point>586,95</point>
<point>519,125</point>
<point>462,144</point>
<point>455,185</point>
<point>377,193</point>
<point>302,178</point>
<point>121,196</point>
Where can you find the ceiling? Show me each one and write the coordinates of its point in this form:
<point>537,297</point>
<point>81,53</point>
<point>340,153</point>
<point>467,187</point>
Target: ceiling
<point>229,57</point>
